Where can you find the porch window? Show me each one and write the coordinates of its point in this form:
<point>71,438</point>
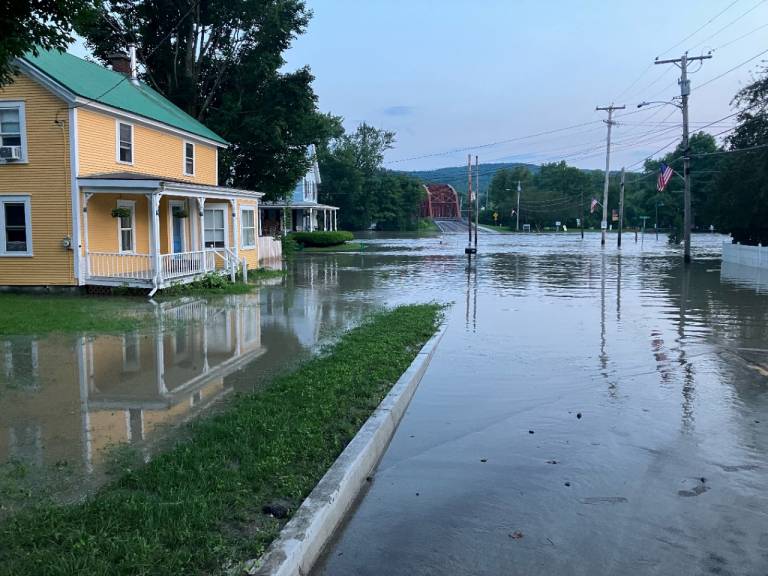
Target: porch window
<point>12,131</point>
<point>215,228</point>
<point>248,227</point>
<point>125,143</point>
<point>15,226</point>
<point>189,159</point>
<point>126,227</point>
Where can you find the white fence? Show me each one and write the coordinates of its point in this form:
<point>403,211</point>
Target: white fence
<point>270,249</point>
<point>755,256</point>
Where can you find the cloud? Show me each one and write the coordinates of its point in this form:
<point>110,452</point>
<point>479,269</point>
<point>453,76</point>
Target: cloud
<point>399,110</point>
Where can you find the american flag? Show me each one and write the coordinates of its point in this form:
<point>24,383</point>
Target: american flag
<point>665,173</point>
<point>593,205</point>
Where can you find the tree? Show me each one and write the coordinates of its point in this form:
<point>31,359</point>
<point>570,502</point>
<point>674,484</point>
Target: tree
<point>742,186</point>
<point>354,180</point>
<point>28,26</point>
<point>221,61</point>
<point>670,201</point>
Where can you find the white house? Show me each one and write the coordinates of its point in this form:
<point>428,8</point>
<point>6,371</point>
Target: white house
<point>306,214</point>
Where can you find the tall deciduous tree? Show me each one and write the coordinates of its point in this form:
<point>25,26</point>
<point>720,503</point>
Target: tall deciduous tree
<point>354,180</point>
<point>221,62</point>
<point>742,186</point>
<point>27,25</point>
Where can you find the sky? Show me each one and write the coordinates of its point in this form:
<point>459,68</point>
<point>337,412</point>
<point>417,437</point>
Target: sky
<point>450,75</point>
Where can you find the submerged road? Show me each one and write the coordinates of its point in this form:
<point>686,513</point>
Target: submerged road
<point>460,227</point>
<point>588,412</point>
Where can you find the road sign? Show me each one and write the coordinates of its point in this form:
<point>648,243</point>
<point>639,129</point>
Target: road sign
<point>557,223</point>
<point>495,216</point>
<point>604,225</point>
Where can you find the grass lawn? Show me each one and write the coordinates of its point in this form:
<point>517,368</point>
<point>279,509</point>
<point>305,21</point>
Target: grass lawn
<point>198,507</point>
<point>346,247</point>
<point>43,313</point>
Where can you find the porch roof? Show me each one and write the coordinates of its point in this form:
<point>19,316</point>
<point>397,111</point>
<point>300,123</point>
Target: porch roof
<point>139,183</point>
<point>306,204</point>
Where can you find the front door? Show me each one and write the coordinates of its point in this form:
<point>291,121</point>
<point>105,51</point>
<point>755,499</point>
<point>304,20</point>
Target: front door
<point>177,227</point>
<point>178,236</point>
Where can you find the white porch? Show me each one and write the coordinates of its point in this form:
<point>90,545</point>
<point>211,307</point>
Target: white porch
<point>164,233</point>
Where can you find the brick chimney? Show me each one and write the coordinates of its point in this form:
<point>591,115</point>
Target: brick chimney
<point>120,62</point>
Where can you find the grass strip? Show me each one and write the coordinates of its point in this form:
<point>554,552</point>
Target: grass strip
<point>41,314</point>
<point>198,507</point>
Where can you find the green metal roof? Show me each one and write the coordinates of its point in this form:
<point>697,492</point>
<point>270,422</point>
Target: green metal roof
<point>111,88</point>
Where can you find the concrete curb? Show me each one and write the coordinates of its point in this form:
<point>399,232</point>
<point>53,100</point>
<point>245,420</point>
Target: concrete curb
<point>303,538</point>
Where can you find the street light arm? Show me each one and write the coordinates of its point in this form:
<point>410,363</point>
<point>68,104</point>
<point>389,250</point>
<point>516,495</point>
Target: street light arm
<point>663,102</point>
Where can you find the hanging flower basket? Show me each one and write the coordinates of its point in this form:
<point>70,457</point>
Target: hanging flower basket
<point>179,212</point>
<point>121,212</point>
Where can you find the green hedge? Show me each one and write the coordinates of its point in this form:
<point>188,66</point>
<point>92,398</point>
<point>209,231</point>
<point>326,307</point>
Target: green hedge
<point>322,238</point>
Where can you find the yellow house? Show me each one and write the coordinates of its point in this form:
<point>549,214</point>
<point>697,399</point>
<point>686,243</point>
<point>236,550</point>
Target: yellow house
<point>105,182</point>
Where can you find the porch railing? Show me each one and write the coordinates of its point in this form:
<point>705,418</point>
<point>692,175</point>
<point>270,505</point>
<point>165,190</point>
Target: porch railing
<point>183,264</point>
<point>124,266</point>
<point>120,265</point>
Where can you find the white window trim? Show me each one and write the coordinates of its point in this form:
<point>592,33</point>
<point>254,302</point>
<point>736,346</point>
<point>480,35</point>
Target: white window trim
<point>217,206</point>
<point>184,236</point>
<point>117,143</point>
<point>25,199</point>
<point>184,158</point>
<point>20,105</point>
<point>132,205</point>
<point>255,227</point>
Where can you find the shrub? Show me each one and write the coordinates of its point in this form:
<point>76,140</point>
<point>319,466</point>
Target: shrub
<point>322,238</point>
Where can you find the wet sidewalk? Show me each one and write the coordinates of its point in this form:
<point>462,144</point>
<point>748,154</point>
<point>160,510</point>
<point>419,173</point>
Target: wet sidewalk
<point>584,414</point>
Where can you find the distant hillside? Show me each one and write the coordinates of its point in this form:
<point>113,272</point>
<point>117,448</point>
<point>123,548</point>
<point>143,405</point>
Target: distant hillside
<point>456,176</point>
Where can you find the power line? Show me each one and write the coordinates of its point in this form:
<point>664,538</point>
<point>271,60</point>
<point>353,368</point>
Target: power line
<point>728,25</point>
<point>747,61</point>
<point>740,37</point>
<point>684,40</point>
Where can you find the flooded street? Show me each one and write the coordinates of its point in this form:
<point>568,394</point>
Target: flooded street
<point>587,411</point>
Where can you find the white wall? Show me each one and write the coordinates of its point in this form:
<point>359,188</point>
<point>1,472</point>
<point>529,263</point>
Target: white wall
<point>756,256</point>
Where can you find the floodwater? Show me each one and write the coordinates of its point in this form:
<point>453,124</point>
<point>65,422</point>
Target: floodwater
<point>588,411</point>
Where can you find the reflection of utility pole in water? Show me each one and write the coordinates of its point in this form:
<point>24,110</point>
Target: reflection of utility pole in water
<point>472,297</point>
<point>469,250</point>
<point>687,415</point>
<point>618,287</point>
<point>603,354</point>
<point>642,239</point>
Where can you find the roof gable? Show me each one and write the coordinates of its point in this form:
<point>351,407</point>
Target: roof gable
<point>94,82</point>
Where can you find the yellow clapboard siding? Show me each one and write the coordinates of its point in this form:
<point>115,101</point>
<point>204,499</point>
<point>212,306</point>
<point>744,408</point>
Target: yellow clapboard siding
<point>155,151</point>
<point>251,255</point>
<point>103,228</point>
<point>46,179</point>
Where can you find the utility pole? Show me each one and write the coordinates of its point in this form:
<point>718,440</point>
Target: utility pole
<point>477,197</point>
<point>581,220</point>
<point>685,91</point>
<point>517,226</point>
<point>469,198</point>
<point>621,205</point>
<point>610,123</point>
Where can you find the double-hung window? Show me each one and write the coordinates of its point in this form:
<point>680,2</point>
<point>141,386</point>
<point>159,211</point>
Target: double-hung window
<point>124,143</point>
<point>215,227</point>
<point>12,133</point>
<point>126,225</point>
<point>248,227</point>
<point>189,159</point>
<point>15,226</point>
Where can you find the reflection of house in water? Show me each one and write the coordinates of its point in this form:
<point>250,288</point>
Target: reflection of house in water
<point>305,309</point>
<point>61,406</point>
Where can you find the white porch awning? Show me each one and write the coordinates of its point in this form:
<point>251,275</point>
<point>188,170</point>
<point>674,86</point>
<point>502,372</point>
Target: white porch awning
<point>136,183</point>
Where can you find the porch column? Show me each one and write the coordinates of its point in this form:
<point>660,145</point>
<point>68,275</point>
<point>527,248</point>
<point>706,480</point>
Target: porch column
<point>86,198</point>
<point>325,220</point>
<point>154,202</point>
<point>235,231</point>
<point>335,221</point>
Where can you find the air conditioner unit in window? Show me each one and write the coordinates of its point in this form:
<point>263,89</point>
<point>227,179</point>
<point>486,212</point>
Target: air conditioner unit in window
<point>10,152</point>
